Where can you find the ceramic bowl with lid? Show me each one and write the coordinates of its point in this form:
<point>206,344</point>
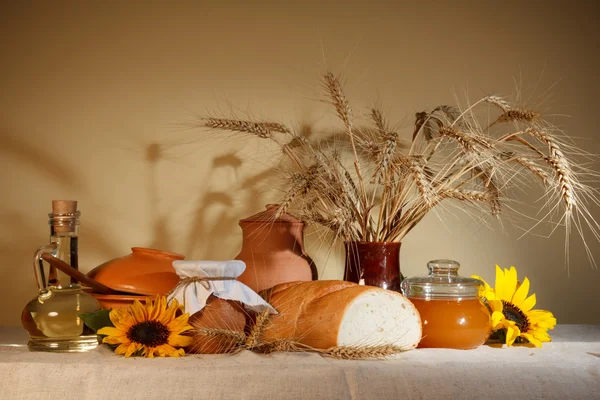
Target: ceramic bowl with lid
<point>452,311</point>
<point>112,301</point>
<point>144,271</point>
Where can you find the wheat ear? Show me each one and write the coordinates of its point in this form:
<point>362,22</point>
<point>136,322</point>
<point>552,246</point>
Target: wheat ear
<point>498,102</point>
<point>491,188</point>
<point>260,129</point>
<point>561,167</point>
<point>235,336</point>
<point>254,337</point>
<point>467,142</point>
<point>422,181</point>
<point>285,345</point>
<point>518,114</point>
<point>339,100</point>
<point>466,195</point>
<point>534,168</point>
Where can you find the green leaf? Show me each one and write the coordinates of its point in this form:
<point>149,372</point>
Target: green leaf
<point>97,320</point>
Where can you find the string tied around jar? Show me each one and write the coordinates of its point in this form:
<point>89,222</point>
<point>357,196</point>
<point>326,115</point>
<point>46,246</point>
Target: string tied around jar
<point>203,280</point>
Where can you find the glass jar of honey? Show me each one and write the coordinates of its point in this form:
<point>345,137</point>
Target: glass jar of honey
<point>452,312</point>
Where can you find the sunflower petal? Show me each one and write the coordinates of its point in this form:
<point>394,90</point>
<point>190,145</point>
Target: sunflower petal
<point>495,305</point>
<point>139,312</point>
<point>499,283</point>
<point>512,333</point>
<point>115,340</point>
<point>528,304</point>
<point>510,284</point>
<point>542,335</point>
<point>542,318</point>
<point>486,291</point>
<point>179,324</point>
<point>497,318</point>
<point>532,339</point>
<point>133,347</point>
<point>156,309</point>
<point>110,331</point>
<point>180,340</point>
<point>166,350</point>
<point>150,353</point>
<point>116,317</point>
<point>122,348</point>
<point>521,293</point>
<point>169,314</point>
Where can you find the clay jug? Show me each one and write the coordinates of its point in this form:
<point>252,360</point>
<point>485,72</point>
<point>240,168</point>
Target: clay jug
<point>273,250</point>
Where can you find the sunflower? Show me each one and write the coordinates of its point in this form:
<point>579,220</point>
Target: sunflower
<point>512,309</point>
<point>148,330</point>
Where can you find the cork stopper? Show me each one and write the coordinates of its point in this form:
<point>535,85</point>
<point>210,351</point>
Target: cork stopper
<point>64,216</point>
<point>64,206</point>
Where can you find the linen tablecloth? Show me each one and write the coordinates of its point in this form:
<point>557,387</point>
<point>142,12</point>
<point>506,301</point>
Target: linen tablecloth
<point>567,368</point>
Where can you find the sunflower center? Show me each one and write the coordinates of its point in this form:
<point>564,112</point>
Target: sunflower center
<point>149,333</point>
<point>515,314</point>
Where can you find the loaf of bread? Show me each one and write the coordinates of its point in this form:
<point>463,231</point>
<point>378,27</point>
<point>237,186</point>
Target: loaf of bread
<point>324,314</point>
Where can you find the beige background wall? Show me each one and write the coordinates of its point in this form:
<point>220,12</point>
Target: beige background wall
<point>92,96</point>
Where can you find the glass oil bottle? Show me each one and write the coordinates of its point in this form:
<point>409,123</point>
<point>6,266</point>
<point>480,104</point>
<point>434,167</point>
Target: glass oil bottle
<point>53,317</point>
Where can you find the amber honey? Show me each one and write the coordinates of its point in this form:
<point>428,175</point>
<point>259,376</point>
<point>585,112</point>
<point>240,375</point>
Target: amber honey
<point>455,324</point>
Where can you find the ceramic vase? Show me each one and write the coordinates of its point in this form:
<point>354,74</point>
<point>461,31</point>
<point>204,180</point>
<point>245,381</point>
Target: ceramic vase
<point>273,250</point>
<point>373,264</point>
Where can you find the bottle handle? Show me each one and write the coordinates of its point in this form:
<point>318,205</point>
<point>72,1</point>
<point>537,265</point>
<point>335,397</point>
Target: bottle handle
<point>38,269</point>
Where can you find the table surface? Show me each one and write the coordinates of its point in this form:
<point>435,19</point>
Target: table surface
<point>566,368</point>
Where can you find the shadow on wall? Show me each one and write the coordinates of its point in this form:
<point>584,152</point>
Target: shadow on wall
<point>43,162</point>
<point>23,233</point>
<point>209,231</point>
<point>56,170</point>
<point>216,213</point>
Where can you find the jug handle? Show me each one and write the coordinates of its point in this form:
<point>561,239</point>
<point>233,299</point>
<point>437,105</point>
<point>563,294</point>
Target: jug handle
<point>38,269</point>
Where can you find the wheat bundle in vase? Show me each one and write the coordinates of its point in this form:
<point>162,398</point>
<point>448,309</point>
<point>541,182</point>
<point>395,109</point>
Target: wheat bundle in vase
<point>367,184</point>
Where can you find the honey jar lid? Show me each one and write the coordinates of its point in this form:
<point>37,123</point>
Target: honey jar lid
<point>442,283</point>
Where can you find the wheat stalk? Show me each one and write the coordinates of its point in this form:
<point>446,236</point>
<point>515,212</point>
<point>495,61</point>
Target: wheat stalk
<point>253,339</point>
<point>339,352</point>
<point>361,352</point>
<point>344,112</point>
